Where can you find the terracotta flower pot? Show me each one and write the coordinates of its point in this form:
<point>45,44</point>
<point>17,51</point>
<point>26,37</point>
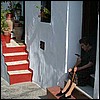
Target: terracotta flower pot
<point>9,16</point>
<point>16,24</point>
<point>18,33</point>
<point>7,36</point>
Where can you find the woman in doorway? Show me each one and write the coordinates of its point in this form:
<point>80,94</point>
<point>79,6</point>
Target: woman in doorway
<point>84,66</point>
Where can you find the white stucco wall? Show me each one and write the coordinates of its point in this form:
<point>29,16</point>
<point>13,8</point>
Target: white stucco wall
<point>49,65</point>
<point>4,73</point>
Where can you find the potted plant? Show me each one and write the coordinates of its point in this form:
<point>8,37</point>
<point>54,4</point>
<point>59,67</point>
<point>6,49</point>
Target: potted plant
<point>4,26</point>
<point>6,32</point>
<point>9,14</point>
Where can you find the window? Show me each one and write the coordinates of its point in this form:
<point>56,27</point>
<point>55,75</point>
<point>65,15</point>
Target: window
<point>46,11</point>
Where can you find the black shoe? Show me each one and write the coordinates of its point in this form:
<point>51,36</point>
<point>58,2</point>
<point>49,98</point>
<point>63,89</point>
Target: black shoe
<point>60,94</point>
<point>63,97</point>
<point>68,96</point>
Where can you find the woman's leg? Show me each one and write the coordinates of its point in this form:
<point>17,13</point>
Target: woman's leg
<point>70,90</point>
<point>66,86</point>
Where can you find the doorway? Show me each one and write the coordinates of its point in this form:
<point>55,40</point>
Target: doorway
<point>89,24</point>
<point>90,21</point>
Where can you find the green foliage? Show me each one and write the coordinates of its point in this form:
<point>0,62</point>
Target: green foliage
<point>4,25</point>
<point>44,9</point>
<point>11,6</point>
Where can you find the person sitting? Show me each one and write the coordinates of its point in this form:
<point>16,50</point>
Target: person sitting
<point>80,73</point>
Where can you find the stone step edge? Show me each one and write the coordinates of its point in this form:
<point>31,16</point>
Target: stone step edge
<point>16,72</point>
<point>15,54</point>
<point>16,62</point>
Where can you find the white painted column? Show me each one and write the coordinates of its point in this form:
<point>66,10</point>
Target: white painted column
<point>96,83</point>
<point>67,30</point>
<point>73,32</point>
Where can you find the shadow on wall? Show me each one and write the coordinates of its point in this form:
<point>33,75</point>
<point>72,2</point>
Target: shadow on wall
<point>62,79</point>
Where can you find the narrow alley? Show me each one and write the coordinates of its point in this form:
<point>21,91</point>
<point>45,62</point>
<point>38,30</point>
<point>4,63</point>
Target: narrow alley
<point>25,90</point>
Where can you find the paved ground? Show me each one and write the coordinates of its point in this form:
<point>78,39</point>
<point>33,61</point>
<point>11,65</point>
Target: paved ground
<point>26,90</point>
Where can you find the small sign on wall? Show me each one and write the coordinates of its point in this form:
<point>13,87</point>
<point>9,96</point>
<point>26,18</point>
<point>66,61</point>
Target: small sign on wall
<point>42,45</point>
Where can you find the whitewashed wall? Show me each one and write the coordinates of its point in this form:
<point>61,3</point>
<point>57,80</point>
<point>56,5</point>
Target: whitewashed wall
<point>4,73</point>
<point>49,65</point>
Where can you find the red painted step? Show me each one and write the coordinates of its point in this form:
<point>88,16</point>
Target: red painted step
<point>17,65</point>
<point>52,91</point>
<point>9,47</point>
<point>15,49</point>
<point>2,38</point>
<point>3,42</point>
<point>20,76</point>
<point>15,56</point>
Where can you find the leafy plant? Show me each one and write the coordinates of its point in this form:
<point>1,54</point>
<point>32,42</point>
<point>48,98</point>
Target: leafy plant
<point>10,6</point>
<point>4,24</point>
<point>44,11</point>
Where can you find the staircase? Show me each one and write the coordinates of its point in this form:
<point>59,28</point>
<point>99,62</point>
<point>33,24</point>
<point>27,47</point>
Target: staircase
<point>16,60</point>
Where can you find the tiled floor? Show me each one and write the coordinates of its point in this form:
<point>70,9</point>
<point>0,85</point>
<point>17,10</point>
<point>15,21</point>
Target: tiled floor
<point>26,90</point>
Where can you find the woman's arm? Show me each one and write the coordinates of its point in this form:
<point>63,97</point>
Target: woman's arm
<point>78,61</point>
<point>85,66</point>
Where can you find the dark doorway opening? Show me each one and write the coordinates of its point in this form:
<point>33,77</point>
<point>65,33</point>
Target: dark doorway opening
<point>89,24</point>
<point>90,20</point>
<point>23,35</point>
